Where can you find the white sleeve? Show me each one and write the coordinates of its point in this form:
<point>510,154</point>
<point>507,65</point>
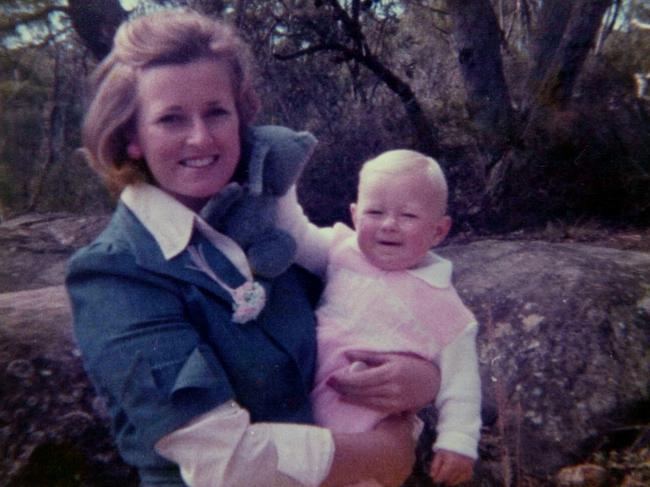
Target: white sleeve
<point>459,399</point>
<point>313,242</point>
<point>221,448</point>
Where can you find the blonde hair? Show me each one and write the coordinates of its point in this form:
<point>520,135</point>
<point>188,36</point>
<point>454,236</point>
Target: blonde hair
<point>165,37</point>
<point>401,161</point>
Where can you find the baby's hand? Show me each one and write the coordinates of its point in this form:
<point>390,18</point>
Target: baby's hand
<point>451,468</point>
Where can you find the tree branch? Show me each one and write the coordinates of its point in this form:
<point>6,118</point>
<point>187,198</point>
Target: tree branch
<point>96,22</point>
<point>311,50</point>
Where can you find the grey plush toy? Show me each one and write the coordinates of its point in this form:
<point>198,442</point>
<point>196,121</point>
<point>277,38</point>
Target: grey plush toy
<point>275,157</point>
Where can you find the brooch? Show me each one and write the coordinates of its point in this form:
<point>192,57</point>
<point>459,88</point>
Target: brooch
<point>248,300</point>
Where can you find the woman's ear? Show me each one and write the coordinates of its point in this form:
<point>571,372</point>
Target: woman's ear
<point>134,150</point>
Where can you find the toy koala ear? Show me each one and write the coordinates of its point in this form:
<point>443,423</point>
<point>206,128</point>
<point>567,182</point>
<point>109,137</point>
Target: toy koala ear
<point>285,158</point>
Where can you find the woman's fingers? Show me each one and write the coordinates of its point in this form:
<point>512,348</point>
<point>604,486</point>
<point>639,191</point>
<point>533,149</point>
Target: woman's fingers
<point>356,378</point>
<point>389,382</point>
<point>372,359</point>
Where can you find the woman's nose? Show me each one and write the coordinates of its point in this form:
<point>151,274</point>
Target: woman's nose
<point>199,134</point>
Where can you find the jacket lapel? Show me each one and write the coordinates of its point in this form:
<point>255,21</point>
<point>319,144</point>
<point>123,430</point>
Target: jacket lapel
<point>149,256</point>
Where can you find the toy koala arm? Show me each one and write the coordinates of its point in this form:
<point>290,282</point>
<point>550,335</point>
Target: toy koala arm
<point>219,205</point>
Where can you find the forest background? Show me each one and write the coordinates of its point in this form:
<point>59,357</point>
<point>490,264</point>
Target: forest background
<point>538,110</point>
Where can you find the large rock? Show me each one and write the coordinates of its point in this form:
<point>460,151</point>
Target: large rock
<point>564,348</point>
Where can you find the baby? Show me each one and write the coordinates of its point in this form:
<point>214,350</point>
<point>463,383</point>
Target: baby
<point>387,292</point>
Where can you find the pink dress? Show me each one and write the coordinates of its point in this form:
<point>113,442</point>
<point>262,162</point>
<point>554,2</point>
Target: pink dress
<point>365,308</point>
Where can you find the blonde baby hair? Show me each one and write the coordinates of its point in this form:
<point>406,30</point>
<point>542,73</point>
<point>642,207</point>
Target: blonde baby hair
<point>400,161</point>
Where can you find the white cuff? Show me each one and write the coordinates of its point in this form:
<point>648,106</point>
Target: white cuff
<point>457,442</point>
<point>305,453</point>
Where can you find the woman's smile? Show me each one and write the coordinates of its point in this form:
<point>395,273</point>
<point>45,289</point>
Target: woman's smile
<point>199,163</point>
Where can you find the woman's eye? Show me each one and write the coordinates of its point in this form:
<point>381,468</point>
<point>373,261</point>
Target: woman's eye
<point>217,112</point>
<point>170,119</point>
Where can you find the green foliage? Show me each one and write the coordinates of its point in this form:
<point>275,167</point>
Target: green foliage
<point>41,92</point>
<point>629,52</point>
<point>21,95</point>
<point>29,22</point>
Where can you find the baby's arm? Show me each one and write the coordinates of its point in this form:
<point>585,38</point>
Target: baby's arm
<point>313,242</point>
<point>459,407</point>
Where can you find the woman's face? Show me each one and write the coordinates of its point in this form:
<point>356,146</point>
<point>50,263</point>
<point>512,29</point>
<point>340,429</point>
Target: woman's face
<point>187,128</point>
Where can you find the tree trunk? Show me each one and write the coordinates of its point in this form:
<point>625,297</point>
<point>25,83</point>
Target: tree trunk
<point>548,139</point>
<point>548,33</point>
<point>50,143</point>
<point>96,22</point>
<point>478,41</point>
<point>561,55</point>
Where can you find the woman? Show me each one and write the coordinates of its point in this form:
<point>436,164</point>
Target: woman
<point>207,364</point>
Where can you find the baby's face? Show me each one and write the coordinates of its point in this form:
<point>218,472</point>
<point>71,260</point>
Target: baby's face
<point>397,218</point>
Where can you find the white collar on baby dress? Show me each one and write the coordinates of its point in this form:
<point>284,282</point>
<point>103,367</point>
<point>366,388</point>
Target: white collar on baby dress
<point>434,270</point>
<point>172,224</point>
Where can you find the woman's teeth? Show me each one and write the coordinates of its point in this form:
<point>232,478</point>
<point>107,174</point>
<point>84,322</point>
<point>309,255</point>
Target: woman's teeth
<point>197,163</point>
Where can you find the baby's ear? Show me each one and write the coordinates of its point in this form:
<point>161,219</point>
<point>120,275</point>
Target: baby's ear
<point>442,229</point>
<point>353,214</point>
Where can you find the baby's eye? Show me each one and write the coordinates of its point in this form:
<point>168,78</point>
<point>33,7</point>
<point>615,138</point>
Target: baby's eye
<point>409,215</point>
<point>373,212</point>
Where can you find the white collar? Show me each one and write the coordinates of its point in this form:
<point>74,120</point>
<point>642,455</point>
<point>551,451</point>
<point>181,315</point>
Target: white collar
<point>172,224</point>
<point>434,270</point>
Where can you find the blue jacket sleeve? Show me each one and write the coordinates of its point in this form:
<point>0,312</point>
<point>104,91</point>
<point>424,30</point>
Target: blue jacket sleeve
<point>140,349</point>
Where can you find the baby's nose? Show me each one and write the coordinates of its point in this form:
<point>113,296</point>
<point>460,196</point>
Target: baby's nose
<point>389,222</point>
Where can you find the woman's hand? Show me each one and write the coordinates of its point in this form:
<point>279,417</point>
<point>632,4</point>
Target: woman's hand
<point>391,383</point>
